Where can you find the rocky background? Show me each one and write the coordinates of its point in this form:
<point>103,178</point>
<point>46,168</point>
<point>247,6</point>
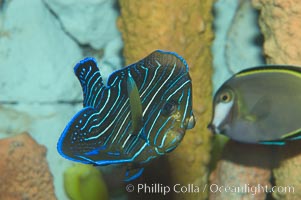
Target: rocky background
<point>41,41</point>
<point>251,165</point>
<point>183,27</point>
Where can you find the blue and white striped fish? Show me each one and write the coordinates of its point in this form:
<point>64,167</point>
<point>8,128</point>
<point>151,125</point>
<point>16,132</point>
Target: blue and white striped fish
<point>141,114</point>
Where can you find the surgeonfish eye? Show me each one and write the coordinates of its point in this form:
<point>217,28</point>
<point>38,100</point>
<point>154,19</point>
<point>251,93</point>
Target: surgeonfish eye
<point>225,97</point>
<point>168,108</point>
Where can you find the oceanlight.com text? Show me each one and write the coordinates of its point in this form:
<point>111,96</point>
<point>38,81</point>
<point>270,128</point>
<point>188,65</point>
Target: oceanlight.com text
<point>250,189</point>
<point>158,188</point>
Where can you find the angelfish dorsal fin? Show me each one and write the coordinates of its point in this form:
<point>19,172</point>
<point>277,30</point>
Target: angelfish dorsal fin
<point>90,79</point>
<point>135,104</point>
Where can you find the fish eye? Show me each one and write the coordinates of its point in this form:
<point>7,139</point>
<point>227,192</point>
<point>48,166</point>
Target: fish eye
<point>168,108</point>
<point>226,97</point>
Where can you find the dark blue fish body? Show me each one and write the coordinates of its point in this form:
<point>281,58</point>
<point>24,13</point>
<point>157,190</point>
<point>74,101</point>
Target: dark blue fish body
<point>142,113</point>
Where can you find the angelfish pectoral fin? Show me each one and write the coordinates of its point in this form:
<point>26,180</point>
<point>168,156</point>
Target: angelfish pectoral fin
<point>135,104</point>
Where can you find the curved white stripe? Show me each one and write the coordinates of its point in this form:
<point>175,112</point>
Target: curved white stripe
<point>149,103</point>
<point>91,90</point>
<point>89,70</point>
<point>152,126</point>
<point>150,83</point>
<point>100,134</point>
<point>121,127</point>
<point>177,89</point>
<point>87,121</point>
<point>186,107</point>
<point>126,140</point>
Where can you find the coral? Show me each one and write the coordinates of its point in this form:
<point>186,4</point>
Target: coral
<point>280,24</point>
<point>24,172</point>
<point>85,182</point>
<point>183,27</point>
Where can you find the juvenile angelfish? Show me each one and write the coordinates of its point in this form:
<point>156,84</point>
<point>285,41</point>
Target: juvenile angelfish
<point>142,113</point>
<point>260,105</point>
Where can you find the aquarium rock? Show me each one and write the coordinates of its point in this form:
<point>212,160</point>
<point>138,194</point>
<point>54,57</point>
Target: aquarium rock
<point>24,171</point>
<point>92,24</point>
<point>183,27</point>
<point>281,26</point>
<point>237,42</point>
<point>37,54</point>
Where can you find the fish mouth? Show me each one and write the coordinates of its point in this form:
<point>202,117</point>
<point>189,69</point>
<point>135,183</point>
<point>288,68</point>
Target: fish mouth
<point>172,140</point>
<point>177,134</point>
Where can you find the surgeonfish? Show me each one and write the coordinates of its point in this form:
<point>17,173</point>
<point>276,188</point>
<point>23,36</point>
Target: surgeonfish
<point>142,113</point>
<point>260,105</point>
